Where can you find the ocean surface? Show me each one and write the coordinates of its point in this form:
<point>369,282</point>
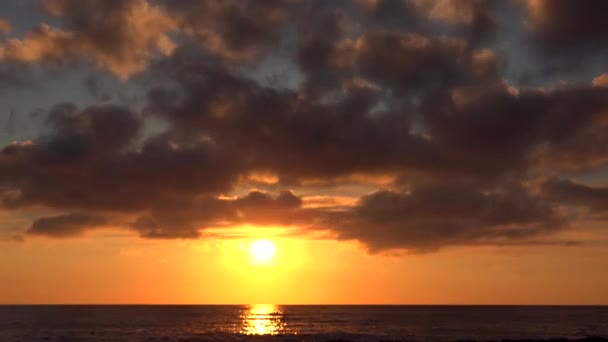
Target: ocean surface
<point>265,322</point>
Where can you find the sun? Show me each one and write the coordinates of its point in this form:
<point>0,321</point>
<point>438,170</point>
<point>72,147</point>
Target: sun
<point>262,250</point>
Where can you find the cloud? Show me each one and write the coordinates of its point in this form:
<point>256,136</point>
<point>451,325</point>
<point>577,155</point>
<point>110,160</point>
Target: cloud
<point>570,193</point>
<point>405,103</point>
<point>187,220</point>
<point>499,131</point>
<point>477,16</point>
<point>300,136</point>
<point>463,156</point>
<point>429,217</point>
<point>474,19</point>
<point>65,225</point>
<point>420,220</point>
<point>406,60</point>
<point>5,26</point>
<point>567,26</point>
<point>94,167</point>
<point>601,80</point>
<point>124,36</point>
<point>236,30</point>
<point>89,160</point>
<point>388,8</point>
<point>121,36</point>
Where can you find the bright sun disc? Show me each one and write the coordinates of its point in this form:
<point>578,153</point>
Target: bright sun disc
<point>262,250</point>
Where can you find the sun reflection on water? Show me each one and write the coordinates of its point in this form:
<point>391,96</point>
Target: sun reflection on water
<point>262,319</point>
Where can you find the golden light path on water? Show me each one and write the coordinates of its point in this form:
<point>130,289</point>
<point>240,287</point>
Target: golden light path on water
<point>262,319</point>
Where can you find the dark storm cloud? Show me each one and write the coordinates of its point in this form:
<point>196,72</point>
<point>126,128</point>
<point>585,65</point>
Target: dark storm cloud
<point>187,219</point>
<point>235,29</point>
<point>569,27</point>
<point>303,136</point>
<point>387,8</point>
<point>283,132</point>
<point>430,217</point>
<point>413,60</point>
<point>395,58</point>
<point>570,193</point>
<point>423,219</point>
<point>224,125</point>
<point>63,174</point>
<point>480,135</point>
<point>411,89</point>
<point>474,20</point>
<point>65,225</point>
<point>497,130</point>
<point>88,160</point>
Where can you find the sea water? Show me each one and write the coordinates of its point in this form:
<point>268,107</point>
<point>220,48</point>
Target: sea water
<point>265,322</point>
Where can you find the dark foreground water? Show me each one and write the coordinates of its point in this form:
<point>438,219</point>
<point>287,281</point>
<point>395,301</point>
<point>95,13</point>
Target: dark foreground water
<point>300,323</point>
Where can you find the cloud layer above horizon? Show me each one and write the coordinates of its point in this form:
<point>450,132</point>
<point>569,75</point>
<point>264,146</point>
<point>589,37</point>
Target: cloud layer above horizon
<point>404,125</point>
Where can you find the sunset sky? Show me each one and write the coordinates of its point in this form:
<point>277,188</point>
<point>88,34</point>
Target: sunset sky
<point>262,151</point>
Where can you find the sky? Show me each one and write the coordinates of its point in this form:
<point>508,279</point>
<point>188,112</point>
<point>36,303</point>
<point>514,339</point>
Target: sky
<point>385,151</point>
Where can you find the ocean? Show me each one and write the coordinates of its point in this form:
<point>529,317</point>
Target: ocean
<point>266,322</point>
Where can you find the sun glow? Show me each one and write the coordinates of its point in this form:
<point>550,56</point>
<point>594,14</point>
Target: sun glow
<point>262,250</point>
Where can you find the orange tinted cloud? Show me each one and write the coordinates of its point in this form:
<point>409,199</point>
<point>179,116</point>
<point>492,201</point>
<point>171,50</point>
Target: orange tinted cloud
<point>235,30</point>
<point>558,25</point>
<point>122,36</point>
<point>601,80</point>
<point>5,26</point>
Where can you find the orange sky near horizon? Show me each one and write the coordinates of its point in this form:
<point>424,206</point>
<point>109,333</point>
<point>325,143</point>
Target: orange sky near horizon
<point>119,269</point>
